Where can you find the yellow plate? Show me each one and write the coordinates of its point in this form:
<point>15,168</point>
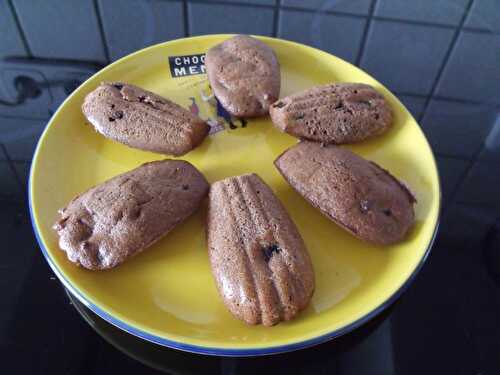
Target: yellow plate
<point>166,294</point>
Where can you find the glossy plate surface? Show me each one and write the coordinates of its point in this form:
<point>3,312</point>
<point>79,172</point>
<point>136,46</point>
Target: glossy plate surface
<point>167,294</point>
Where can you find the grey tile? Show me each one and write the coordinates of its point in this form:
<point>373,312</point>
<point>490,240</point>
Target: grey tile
<point>491,150</point>
<point>9,186</point>
<point>398,55</point>
<point>448,12</point>
<point>414,104</point>
<point>338,35</point>
<point>348,6</point>
<point>20,136</point>
<point>450,173</point>
<point>61,29</point>
<point>484,14</point>
<point>130,25</point>
<point>10,40</point>
<point>473,70</point>
<point>481,186</point>
<point>226,18</point>
<point>457,129</point>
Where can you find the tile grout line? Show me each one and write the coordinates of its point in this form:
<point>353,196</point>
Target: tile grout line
<point>13,169</point>
<point>365,32</point>
<point>446,58</point>
<point>276,18</point>
<point>101,31</point>
<point>185,18</point>
<point>20,28</point>
<point>465,174</point>
<point>244,5</point>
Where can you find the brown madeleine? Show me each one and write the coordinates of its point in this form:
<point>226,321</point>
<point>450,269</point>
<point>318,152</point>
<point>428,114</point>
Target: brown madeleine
<point>142,119</point>
<point>335,113</point>
<point>121,217</point>
<point>259,260</point>
<point>355,193</point>
<point>245,75</point>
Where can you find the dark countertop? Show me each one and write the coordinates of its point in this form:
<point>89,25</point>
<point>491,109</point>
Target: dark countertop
<point>440,58</point>
<point>446,322</point>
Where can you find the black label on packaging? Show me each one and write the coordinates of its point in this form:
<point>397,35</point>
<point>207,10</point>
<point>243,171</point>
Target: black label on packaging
<point>182,66</point>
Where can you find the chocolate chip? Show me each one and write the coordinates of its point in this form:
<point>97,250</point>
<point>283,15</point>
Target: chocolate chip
<point>387,211</point>
<point>279,105</point>
<point>299,116</point>
<point>99,257</point>
<point>118,86</point>
<point>61,224</point>
<point>339,106</point>
<point>85,245</point>
<point>364,206</point>
<point>112,106</point>
<point>116,115</point>
<point>270,250</point>
<point>377,116</point>
<point>142,98</point>
<point>135,213</point>
<point>185,187</point>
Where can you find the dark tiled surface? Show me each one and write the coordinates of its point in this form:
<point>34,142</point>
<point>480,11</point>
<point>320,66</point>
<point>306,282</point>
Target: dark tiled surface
<point>9,185</point>
<point>401,61</point>
<point>484,14</point>
<point>21,137</point>
<point>324,31</point>
<point>414,104</point>
<point>67,345</point>
<point>491,150</point>
<point>23,171</point>
<point>473,72</point>
<point>457,129</point>
<point>456,301</point>
<point>481,187</point>
<point>61,29</point>
<point>18,250</point>
<point>448,12</point>
<point>464,227</point>
<point>10,39</point>
<point>451,171</point>
<point>224,18</point>
<point>361,7</point>
<point>130,25</point>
